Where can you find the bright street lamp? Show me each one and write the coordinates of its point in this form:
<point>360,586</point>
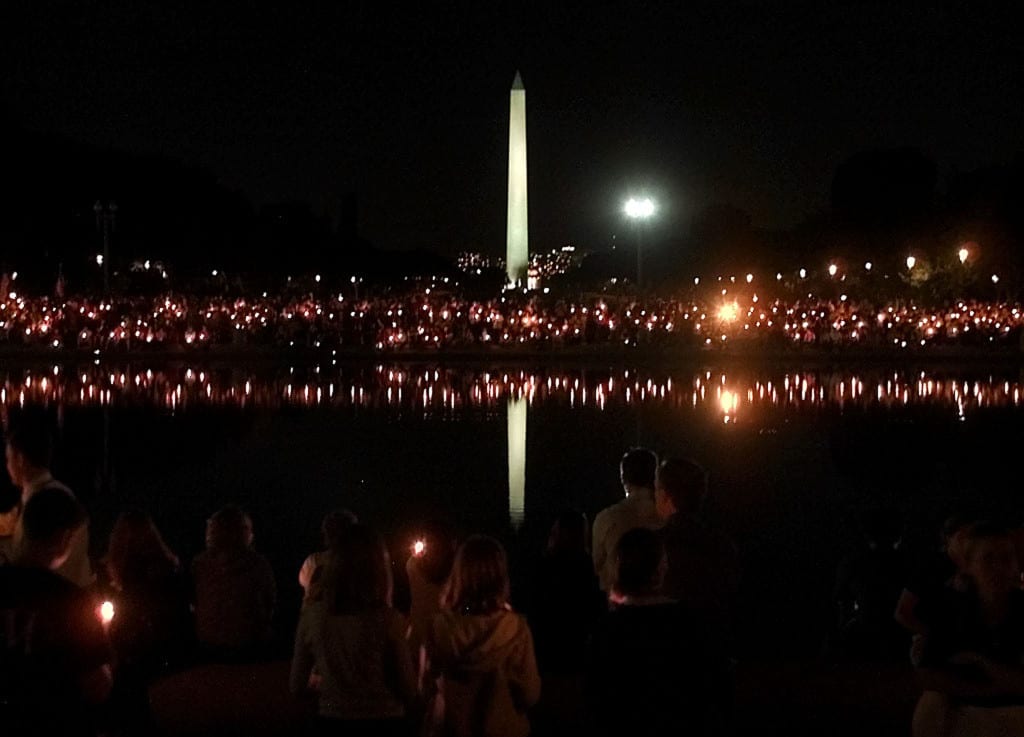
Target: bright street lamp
<point>639,210</point>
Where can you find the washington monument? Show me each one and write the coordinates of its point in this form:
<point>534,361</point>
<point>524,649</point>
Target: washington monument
<point>517,255</point>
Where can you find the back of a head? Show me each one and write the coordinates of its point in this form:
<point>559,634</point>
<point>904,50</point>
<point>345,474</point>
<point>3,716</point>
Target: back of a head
<point>136,544</point>
<point>335,525</point>
<point>883,528</point>
<point>684,482</point>
<point>49,513</point>
<point>984,531</point>
<point>479,581</point>
<point>639,555</point>
<point>569,533</point>
<point>32,441</point>
<point>358,578</point>
<point>638,467</point>
<point>229,529</point>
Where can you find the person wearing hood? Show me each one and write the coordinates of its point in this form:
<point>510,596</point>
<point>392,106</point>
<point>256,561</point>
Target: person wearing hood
<point>482,651</point>
<point>235,590</point>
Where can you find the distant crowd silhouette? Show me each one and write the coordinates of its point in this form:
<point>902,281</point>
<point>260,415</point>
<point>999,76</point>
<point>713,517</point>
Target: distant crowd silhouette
<point>630,627</point>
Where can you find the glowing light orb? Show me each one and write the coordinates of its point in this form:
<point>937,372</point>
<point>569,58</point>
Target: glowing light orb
<point>750,278</point>
<point>419,548</point>
<point>911,261</point>
<point>803,273</point>
<point>962,254</point>
<point>832,269</point>
<point>729,311</point>
<point>729,401</point>
<point>107,612</point>
<point>639,208</point>
<point>867,266</point>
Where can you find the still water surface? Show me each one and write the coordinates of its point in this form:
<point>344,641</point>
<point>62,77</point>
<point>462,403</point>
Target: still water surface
<point>795,456</point>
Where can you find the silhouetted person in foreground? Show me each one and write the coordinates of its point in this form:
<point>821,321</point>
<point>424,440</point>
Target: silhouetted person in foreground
<point>566,598</point>
<point>333,528</point>
<point>481,651</point>
<point>151,629</point>
<point>703,563</point>
<point>235,591</point>
<point>653,667</point>
<point>54,655</point>
<point>365,678</point>
<point>924,593</point>
<point>28,464</point>
<point>971,660</point>
<point>867,584</point>
<point>636,472</point>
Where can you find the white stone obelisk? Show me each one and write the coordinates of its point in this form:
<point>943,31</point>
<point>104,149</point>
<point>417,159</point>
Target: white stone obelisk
<point>517,254</point>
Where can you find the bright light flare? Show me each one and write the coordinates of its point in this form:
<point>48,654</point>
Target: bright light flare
<point>867,266</point>
<point>962,254</point>
<point>911,261</point>
<point>639,209</point>
<point>419,548</point>
<point>729,312</point>
<point>106,612</point>
<point>729,401</point>
<point>833,269</point>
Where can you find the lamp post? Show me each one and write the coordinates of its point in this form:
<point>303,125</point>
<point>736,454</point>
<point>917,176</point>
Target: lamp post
<point>106,217</point>
<point>639,210</point>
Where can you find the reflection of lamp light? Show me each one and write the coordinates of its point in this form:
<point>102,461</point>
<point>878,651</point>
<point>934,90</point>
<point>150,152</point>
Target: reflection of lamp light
<point>962,254</point>
<point>911,261</point>
<point>517,461</point>
<point>729,401</point>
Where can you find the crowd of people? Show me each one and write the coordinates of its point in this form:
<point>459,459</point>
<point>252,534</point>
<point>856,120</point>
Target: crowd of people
<point>630,627</point>
<point>436,319</point>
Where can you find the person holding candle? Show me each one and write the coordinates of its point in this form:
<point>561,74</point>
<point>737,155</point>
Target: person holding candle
<point>55,660</point>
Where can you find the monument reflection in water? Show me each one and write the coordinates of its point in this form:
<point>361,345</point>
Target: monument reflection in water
<point>517,461</point>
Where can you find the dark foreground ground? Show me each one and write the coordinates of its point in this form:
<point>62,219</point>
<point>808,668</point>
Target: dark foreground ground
<point>792,699</point>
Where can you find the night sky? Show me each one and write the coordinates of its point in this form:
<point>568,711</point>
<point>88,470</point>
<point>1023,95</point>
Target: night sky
<point>751,103</point>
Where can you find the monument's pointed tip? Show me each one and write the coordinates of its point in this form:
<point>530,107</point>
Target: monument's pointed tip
<point>517,83</point>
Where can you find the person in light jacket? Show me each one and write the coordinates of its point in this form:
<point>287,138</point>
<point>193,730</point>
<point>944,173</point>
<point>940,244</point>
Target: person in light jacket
<point>481,650</point>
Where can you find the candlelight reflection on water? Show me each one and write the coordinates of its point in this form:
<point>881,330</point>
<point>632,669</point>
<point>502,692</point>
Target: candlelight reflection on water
<point>743,397</point>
